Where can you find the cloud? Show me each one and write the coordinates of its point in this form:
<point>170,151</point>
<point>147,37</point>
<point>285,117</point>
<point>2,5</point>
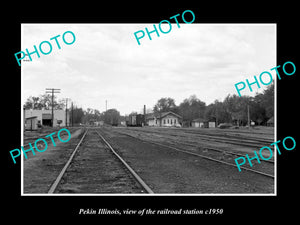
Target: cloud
<point>106,63</point>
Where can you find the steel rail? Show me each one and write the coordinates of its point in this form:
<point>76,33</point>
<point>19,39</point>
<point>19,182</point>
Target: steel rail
<point>216,160</point>
<point>218,134</point>
<point>202,156</point>
<point>232,153</point>
<point>215,149</point>
<point>134,174</point>
<point>221,139</point>
<point>218,150</point>
<point>62,172</point>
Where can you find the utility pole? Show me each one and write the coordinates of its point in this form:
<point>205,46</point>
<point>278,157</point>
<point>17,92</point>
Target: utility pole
<point>160,122</point>
<point>72,116</point>
<point>216,115</point>
<point>105,105</point>
<point>248,117</point>
<point>67,111</point>
<point>52,90</point>
<point>144,115</point>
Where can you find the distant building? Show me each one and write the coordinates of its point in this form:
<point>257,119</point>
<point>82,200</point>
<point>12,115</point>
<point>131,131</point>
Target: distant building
<point>99,123</point>
<point>199,123</point>
<point>203,123</point>
<point>31,123</point>
<point>211,124</point>
<point>270,122</point>
<point>38,118</point>
<point>165,119</point>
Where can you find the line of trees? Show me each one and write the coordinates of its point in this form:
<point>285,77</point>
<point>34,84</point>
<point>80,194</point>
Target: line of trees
<point>233,109</point>
<point>111,116</point>
<point>44,102</point>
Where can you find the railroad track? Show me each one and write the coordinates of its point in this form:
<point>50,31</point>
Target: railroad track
<point>224,152</point>
<point>247,142</point>
<point>220,136</point>
<point>196,144</point>
<point>200,155</point>
<point>134,176</point>
<point>220,133</point>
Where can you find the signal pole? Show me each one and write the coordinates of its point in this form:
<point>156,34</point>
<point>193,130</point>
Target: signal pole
<point>52,90</point>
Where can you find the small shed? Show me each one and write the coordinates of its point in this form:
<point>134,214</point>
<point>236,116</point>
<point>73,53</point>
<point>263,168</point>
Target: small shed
<point>211,124</point>
<point>270,122</point>
<point>31,123</point>
<point>203,123</point>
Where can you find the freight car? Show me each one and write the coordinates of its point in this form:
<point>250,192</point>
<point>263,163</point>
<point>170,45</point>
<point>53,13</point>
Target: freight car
<point>135,120</point>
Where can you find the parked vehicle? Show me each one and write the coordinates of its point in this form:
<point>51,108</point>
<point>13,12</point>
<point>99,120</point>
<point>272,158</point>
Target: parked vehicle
<point>224,125</point>
<point>135,120</point>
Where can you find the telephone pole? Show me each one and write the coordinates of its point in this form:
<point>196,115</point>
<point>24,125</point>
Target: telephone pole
<point>248,117</point>
<point>67,112</point>
<point>52,91</point>
<point>72,116</point>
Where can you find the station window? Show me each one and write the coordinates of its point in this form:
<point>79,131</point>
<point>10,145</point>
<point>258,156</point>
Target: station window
<point>171,121</point>
<point>164,121</point>
<point>174,121</point>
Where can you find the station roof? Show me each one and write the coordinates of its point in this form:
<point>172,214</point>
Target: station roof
<point>161,115</point>
<point>30,118</point>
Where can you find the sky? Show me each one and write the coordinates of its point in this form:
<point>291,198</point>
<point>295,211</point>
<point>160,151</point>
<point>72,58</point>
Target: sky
<point>106,63</point>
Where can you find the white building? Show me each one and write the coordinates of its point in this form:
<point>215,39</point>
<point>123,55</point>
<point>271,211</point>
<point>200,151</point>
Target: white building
<point>35,118</point>
<point>166,119</point>
<point>203,123</point>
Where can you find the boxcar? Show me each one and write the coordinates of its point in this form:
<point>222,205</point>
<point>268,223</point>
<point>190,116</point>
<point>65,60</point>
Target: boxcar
<point>135,120</point>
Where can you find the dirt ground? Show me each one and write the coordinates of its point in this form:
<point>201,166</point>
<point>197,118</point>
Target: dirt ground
<point>95,169</point>
<point>167,171</point>
<point>40,170</point>
<point>211,142</point>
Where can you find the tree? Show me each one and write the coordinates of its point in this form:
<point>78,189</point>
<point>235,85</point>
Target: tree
<point>78,115</point>
<point>43,102</point>
<point>233,109</point>
<point>97,114</point>
<point>165,105</point>
<point>217,112</point>
<point>192,108</point>
<point>237,107</point>
<point>91,115</point>
<point>257,112</point>
<point>112,117</point>
<point>266,101</point>
<point>90,111</point>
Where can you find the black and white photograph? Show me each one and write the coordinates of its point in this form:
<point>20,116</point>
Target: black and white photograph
<point>159,117</point>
